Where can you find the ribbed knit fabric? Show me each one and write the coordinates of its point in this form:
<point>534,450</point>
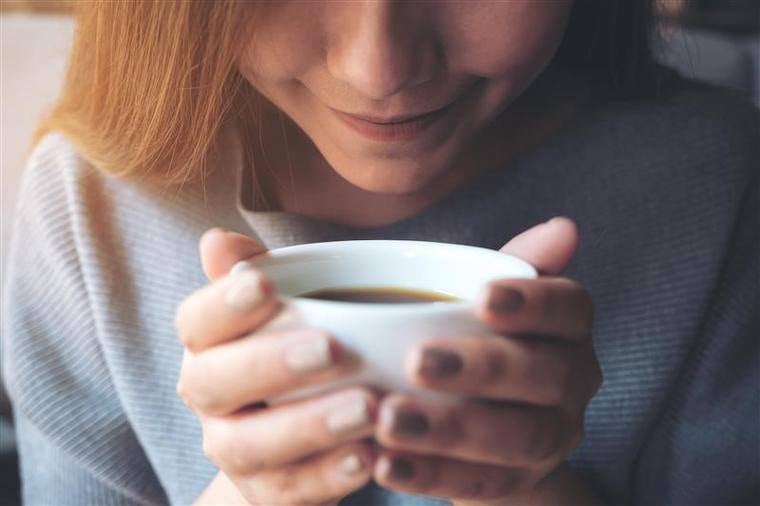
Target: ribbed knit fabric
<point>666,196</point>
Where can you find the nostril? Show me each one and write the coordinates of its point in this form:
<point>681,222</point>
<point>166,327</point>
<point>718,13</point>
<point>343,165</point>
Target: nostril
<point>384,53</point>
<point>372,75</point>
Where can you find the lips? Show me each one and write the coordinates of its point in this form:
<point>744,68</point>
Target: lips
<point>410,127</point>
<point>398,129</point>
<point>395,119</point>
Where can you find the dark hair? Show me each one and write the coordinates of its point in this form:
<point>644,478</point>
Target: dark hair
<point>610,41</point>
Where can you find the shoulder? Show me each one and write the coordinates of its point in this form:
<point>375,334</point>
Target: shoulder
<point>66,194</point>
<point>44,261</point>
<point>691,119</point>
<point>57,165</point>
<point>53,161</point>
<point>56,189</point>
<point>53,362</point>
<point>693,137</point>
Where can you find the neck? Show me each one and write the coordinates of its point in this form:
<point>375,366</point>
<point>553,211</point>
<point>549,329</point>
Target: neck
<point>294,177</point>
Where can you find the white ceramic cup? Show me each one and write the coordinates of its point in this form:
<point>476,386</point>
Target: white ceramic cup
<point>379,334</point>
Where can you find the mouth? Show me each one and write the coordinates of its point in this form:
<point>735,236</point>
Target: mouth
<point>400,128</point>
<point>405,118</point>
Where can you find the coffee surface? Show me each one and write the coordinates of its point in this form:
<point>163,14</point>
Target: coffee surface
<point>379,294</point>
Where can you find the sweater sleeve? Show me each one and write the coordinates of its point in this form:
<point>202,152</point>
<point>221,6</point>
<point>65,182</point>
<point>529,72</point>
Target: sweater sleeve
<point>705,447</point>
<point>76,445</point>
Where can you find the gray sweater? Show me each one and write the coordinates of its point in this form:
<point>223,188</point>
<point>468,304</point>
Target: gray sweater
<point>666,196</point>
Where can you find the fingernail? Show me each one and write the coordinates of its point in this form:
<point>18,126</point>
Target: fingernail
<point>351,465</point>
<point>242,265</point>
<point>505,299</point>
<point>308,355</point>
<point>437,363</point>
<point>554,219</point>
<point>212,232</point>
<point>409,423</point>
<point>244,291</point>
<point>348,417</point>
<point>401,469</point>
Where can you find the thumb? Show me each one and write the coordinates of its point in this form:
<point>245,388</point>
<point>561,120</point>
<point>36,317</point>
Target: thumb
<point>220,250</point>
<point>549,247</point>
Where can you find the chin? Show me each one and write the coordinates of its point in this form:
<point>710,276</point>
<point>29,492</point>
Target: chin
<point>390,178</point>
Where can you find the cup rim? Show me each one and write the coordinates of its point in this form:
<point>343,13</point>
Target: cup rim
<point>272,256</point>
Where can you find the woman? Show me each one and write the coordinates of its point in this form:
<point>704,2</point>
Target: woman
<point>459,121</point>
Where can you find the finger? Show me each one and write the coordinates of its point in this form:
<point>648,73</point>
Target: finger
<point>555,307</point>
<point>450,478</point>
<point>255,440</point>
<point>221,249</point>
<point>526,370</point>
<point>226,309</point>
<point>508,435</point>
<point>318,479</point>
<point>224,378</point>
<point>549,247</point>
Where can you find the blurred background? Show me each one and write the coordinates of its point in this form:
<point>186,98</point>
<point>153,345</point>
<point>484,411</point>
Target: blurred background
<point>714,40</point>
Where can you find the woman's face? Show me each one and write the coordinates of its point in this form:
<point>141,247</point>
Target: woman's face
<point>392,93</point>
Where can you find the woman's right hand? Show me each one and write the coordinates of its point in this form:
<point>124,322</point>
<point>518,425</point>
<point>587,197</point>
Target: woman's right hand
<point>311,451</point>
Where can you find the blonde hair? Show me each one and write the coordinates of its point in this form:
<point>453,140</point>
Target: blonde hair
<point>150,84</point>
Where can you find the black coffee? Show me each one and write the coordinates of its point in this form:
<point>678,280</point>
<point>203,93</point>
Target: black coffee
<point>379,294</point>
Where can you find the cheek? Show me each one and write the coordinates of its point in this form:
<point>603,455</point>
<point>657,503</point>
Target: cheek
<point>286,41</point>
<point>512,38</point>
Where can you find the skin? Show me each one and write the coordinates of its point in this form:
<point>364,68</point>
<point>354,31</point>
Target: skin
<point>385,59</point>
<point>473,453</point>
<point>507,442</point>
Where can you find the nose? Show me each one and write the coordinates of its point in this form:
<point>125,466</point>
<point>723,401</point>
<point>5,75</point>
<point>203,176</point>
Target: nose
<point>381,47</point>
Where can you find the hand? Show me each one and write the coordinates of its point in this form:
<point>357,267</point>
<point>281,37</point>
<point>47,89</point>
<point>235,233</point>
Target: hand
<point>304,452</point>
<point>527,387</point>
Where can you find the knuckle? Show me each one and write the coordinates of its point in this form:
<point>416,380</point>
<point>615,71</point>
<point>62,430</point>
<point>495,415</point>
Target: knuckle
<point>474,490</point>
<point>284,488</point>
<point>227,450</point>
<point>504,484</point>
<point>539,445</point>
<point>183,323</point>
<point>544,301</point>
<point>210,451</point>
<point>370,397</point>
<point>182,392</point>
<point>581,307</point>
<point>184,311</point>
<point>428,474</point>
<point>490,367</point>
<point>242,462</point>
<point>211,447</point>
<point>554,392</point>
<point>575,440</point>
<point>592,377</point>
<point>559,382</point>
<point>179,316</point>
<point>208,405</point>
<point>451,431</point>
<point>190,390</point>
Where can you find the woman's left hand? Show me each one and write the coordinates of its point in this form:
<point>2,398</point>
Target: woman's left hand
<point>527,389</point>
